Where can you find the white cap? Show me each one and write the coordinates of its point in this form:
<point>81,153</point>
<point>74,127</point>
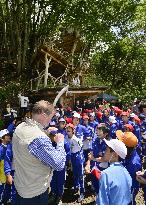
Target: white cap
<point>118,146</point>
<point>92,114</point>
<point>132,115</point>
<point>112,119</point>
<point>52,123</point>
<point>77,115</point>
<point>62,120</point>
<point>3,132</point>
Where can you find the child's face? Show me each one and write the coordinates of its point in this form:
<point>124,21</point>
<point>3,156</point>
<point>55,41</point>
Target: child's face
<point>107,155</point>
<point>69,132</point>
<point>76,121</point>
<point>86,121</point>
<point>91,118</point>
<point>7,139</point>
<point>62,125</point>
<point>100,133</point>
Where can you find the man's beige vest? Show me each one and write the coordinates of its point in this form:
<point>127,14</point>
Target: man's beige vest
<point>32,177</point>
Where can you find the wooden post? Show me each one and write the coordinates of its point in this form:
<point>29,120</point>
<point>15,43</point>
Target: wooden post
<point>47,63</point>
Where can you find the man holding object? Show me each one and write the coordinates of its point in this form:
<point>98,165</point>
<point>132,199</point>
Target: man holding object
<point>35,157</point>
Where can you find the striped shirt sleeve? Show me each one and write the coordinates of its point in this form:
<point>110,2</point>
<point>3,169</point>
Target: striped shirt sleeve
<point>43,150</point>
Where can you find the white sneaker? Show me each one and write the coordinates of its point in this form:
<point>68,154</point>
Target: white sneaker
<point>81,198</point>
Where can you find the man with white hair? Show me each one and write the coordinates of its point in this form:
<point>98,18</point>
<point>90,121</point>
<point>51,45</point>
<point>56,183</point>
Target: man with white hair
<point>115,182</point>
<point>35,157</point>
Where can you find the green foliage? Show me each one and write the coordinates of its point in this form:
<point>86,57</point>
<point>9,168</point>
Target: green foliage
<point>113,32</point>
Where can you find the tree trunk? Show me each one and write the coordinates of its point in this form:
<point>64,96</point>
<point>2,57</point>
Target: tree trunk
<point>25,42</point>
<point>74,48</point>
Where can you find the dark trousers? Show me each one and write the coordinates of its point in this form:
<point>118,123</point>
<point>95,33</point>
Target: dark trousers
<point>58,181</point>
<point>38,200</point>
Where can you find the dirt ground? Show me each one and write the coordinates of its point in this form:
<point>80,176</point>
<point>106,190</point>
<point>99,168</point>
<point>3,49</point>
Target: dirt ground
<point>70,199</point>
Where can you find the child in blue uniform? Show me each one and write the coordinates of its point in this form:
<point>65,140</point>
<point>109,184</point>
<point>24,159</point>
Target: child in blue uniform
<point>61,126</point>
<point>80,131</point>
<point>132,161</point>
<point>77,160</point>
<point>4,188</point>
<point>92,121</point>
<point>9,172</point>
<point>58,178</point>
<point>113,127</point>
<point>98,149</point>
<point>87,140</point>
<point>115,182</point>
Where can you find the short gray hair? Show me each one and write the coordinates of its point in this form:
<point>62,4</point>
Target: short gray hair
<point>42,106</point>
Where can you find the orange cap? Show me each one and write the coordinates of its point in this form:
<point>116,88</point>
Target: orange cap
<point>119,134</point>
<point>128,138</point>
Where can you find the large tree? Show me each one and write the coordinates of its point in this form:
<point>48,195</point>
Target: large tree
<point>104,26</point>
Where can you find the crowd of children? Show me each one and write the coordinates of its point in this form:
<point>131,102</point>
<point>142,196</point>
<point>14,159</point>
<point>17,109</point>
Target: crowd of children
<point>107,143</point>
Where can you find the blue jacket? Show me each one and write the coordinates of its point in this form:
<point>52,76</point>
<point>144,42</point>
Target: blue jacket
<point>133,164</point>
<point>114,186</point>
<point>113,128</point>
<point>3,149</point>
<point>98,147</point>
<point>121,125</point>
<point>93,124</point>
<point>8,159</point>
<point>11,128</point>
<point>81,132</point>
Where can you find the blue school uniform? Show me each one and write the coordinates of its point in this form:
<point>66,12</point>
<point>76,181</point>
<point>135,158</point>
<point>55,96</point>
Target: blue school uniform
<point>121,125</point>
<point>77,160</point>
<point>98,149</point>
<point>133,164</point>
<point>4,188</point>
<point>105,119</point>
<point>8,168</point>
<point>11,128</point>
<point>137,133</point>
<point>87,142</point>
<point>119,120</point>
<point>81,131</point>
<point>58,178</point>
<point>93,124</point>
<point>112,133</point>
<point>114,186</point>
